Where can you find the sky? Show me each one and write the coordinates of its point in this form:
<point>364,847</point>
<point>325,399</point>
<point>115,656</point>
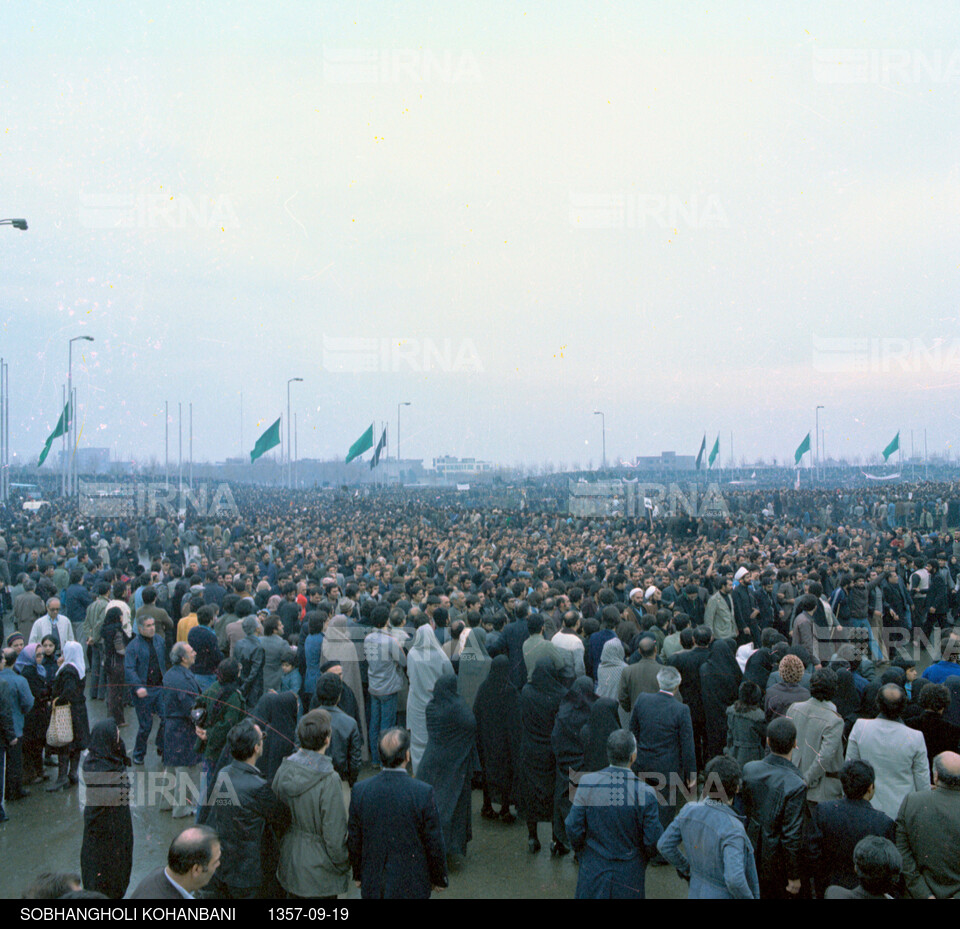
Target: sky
<point>510,215</point>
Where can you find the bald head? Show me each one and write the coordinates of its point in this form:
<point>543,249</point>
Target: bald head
<point>946,770</point>
<point>395,748</point>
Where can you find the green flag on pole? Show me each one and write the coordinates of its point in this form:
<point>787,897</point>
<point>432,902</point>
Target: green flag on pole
<point>714,452</point>
<point>892,447</point>
<point>361,445</point>
<point>270,439</point>
<point>59,431</point>
<point>380,447</point>
<point>802,449</point>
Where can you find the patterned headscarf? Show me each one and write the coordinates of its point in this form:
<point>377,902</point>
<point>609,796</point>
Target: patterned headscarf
<point>791,669</point>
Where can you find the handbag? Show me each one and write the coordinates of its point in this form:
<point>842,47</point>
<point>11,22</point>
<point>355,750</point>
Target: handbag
<point>60,730</point>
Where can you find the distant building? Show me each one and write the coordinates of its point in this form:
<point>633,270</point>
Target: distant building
<point>447,466</point>
<point>667,461</point>
<point>90,460</point>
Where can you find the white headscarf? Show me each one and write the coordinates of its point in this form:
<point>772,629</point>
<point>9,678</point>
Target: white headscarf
<point>611,667</point>
<point>73,655</point>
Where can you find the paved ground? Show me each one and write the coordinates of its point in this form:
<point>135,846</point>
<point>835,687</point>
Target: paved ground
<point>45,831</point>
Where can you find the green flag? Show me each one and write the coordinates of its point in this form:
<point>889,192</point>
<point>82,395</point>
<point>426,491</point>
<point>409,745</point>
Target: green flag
<point>59,431</point>
<point>892,447</point>
<point>361,445</point>
<point>380,447</point>
<point>270,439</point>
<point>714,452</point>
<point>802,449</point>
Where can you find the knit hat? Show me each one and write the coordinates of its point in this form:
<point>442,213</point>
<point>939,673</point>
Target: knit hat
<point>791,669</point>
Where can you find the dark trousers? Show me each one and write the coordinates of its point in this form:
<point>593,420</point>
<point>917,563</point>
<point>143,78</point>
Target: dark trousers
<point>3,771</point>
<point>934,619</point>
<point>68,763</point>
<point>32,759</point>
<point>146,708</point>
<point>14,775</point>
<point>96,675</point>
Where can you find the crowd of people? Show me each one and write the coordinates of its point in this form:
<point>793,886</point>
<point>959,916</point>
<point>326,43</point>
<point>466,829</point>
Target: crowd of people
<point>326,679</point>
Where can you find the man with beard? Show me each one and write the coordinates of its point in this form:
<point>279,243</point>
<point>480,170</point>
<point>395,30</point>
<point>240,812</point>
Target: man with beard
<point>745,610</point>
<point>689,603</point>
<point>719,615</point>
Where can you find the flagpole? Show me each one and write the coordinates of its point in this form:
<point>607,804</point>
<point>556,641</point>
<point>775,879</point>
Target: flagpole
<point>179,456</point>
<point>166,444</point>
<point>191,445</point>
<point>63,443</point>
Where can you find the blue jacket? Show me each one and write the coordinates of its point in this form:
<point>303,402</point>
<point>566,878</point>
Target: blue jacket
<point>136,662</point>
<point>614,825</point>
<point>664,732</point>
<point>721,864</point>
<point>21,697</point>
<point>76,599</point>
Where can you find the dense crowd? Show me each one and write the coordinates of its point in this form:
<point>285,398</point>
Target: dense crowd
<point>326,678</point>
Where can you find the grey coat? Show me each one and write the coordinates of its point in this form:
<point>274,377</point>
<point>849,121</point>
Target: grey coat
<point>819,751</point>
<point>899,758</point>
<point>313,857</point>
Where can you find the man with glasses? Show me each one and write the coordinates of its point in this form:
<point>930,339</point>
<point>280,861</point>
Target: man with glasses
<point>53,624</point>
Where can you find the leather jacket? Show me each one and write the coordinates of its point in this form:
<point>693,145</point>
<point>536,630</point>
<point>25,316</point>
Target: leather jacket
<point>774,795</point>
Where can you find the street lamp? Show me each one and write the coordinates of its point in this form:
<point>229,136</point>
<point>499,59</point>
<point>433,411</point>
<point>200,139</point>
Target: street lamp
<point>402,403</point>
<point>16,223</point>
<point>289,467</point>
<point>819,408</point>
<point>70,477</point>
<point>603,425</point>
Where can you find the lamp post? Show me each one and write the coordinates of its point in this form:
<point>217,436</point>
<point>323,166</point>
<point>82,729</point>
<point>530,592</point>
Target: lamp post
<point>402,403</point>
<point>819,408</point>
<point>289,466</point>
<point>71,480</point>
<point>5,400</point>
<point>3,430</point>
<point>603,433</point>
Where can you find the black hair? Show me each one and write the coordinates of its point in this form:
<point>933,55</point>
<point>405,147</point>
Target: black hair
<point>781,735</point>
<point>243,740</point>
<point>856,778</point>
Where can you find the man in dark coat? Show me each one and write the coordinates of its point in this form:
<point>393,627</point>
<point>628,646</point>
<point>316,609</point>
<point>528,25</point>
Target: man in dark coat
<point>614,840</point>
<point>774,796</point>
<point>666,758</point>
<point>394,835</point>
<point>928,833</point>
<point>688,663</point>
<point>180,693</point>
<point>837,826</point>
<point>143,666</point>
<point>248,818</point>
<point>249,652</point>
<point>192,860</point>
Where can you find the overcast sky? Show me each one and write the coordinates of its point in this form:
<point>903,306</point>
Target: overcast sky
<point>510,215</point>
